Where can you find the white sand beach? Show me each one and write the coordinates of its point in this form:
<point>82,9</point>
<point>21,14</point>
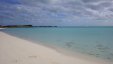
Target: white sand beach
<point>17,51</point>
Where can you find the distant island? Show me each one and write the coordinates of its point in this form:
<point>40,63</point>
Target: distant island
<point>16,26</point>
<point>22,26</point>
<point>29,26</point>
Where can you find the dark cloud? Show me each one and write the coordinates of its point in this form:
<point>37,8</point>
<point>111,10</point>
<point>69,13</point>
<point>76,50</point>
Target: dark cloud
<point>42,1</point>
<point>105,4</point>
<point>89,1</point>
<point>111,9</point>
<point>99,6</point>
<point>34,2</point>
<point>10,1</point>
<point>94,7</point>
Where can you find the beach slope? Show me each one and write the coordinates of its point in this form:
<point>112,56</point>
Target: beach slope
<point>17,51</point>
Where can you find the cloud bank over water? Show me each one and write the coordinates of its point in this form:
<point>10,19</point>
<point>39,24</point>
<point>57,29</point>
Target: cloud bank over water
<point>56,12</point>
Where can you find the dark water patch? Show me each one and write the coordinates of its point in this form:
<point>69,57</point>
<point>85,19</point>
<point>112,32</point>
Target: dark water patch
<point>69,44</point>
<point>58,40</point>
<point>97,42</point>
<point>91,54</point>
<point>102,48</point>
<point>108,58</point>
<point>102,51</point>
<point>97,54</point>
<point>111,54</point>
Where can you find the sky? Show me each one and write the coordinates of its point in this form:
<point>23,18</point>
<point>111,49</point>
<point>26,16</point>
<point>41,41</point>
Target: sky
<point>57,12</point>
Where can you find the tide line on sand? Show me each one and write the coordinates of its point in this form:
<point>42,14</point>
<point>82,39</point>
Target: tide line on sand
<point>17,51</point>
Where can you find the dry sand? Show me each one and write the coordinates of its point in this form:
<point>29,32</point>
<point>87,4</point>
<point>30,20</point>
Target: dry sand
<point>17,51</point>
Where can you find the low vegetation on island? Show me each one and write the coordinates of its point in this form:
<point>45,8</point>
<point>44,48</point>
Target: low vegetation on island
<point>16,26</point>
<point>22,26</point>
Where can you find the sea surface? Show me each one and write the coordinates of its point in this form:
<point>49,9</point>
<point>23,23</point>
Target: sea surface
<point>94,41</point>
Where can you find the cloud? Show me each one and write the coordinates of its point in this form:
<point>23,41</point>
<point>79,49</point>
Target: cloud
<point>101,7</point>
<point>56,12</point>
<point>90,1</point>
<point>10,1</point>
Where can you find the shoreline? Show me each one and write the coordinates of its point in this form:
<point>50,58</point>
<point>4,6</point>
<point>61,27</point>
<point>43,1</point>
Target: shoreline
<point>15,50</point>
<point>2,28</point>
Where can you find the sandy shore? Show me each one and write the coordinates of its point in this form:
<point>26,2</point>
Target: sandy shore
<point>17,51</point>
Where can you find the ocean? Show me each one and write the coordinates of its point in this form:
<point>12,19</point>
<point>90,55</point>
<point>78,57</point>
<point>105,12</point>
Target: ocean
<point>94,41</point>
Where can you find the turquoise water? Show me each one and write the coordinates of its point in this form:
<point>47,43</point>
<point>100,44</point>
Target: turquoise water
<point>94,41</point>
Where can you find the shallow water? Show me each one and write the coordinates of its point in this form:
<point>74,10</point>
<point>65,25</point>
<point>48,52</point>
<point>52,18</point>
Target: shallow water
<point>94,41</point>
